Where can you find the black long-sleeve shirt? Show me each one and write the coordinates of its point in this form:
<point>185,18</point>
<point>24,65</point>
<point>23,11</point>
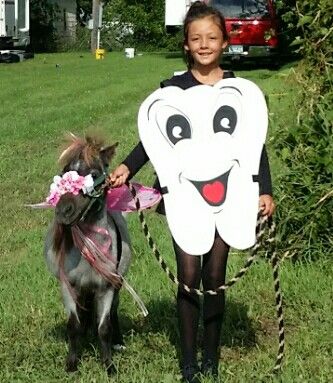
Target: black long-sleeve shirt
<point>138,156</point>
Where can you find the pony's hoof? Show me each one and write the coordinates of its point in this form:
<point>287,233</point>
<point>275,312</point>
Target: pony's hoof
<point>71,365</point>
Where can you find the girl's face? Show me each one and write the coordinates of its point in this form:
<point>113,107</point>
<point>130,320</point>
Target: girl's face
<point>205,42</point>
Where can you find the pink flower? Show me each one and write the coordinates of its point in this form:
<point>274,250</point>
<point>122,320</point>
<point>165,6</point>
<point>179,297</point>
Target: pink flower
<point>53,198</point>
<point>70,182</point>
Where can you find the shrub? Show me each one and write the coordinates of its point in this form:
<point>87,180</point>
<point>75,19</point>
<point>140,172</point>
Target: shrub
<point>80,43</point>
<point>138,24</point>
<point>306,148</point>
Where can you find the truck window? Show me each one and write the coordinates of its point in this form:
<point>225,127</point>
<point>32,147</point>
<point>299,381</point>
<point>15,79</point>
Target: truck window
<point>241,8</point>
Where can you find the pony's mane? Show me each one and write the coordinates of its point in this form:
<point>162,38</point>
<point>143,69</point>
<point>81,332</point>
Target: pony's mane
<point>86,148</point>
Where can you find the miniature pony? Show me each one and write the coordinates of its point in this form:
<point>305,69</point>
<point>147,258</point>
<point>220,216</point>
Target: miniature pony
<point>88,250</point>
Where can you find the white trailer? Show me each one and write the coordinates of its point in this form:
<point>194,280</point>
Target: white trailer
<point>175,11</point>
<point>14,29</point>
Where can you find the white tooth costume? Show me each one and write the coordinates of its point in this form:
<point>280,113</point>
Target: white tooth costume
<point>205,144</point>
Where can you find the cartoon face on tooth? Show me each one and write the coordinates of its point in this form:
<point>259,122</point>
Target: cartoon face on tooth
<point>205,145</point>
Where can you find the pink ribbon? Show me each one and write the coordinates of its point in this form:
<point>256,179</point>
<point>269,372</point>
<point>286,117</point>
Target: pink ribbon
<point>100,258</point>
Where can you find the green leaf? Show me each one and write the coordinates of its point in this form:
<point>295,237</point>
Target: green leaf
<point>297,41</point>
<point>323,31</point>
<point>305,20</point>
<point>285,153</point>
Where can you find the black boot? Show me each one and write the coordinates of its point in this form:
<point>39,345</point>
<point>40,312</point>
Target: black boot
<point>210,367</point>
<point>191,373</point>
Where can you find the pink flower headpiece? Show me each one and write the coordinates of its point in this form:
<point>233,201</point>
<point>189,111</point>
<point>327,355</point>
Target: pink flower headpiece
<point>70,182</point>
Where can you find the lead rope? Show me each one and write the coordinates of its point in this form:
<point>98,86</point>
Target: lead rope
<point>271,254</point>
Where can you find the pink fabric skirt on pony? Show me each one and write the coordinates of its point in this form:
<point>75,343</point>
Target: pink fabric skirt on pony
<point>121,198</point>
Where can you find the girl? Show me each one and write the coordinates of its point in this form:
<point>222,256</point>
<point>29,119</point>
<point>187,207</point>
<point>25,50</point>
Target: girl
<point>205,38</point>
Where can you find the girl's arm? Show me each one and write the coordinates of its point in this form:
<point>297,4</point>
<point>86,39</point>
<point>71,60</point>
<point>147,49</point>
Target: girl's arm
<point>265,180</point>
<point>266,202</point>
<point>130,166</point>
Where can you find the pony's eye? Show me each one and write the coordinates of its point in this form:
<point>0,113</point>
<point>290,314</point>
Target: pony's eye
<point>178,128</point>
<point>225,119</point>
<point>79,166</point>
<point>95,173</point>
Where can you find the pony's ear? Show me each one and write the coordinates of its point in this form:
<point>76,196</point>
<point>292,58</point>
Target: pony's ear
<point>107,153</point>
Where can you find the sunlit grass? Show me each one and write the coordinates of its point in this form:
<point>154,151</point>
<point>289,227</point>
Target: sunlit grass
<point>42,99</point>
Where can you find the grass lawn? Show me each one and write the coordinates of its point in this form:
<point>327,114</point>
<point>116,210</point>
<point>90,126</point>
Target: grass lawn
<point>43,98</point>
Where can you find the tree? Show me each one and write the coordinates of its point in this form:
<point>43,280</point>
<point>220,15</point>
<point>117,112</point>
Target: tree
<point>42,31</point>
<point>145,21</point>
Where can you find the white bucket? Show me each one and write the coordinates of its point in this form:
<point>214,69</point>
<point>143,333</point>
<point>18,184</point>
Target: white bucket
<point>129,53</point>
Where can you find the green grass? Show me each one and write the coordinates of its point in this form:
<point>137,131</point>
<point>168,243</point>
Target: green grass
<point>52,94</point>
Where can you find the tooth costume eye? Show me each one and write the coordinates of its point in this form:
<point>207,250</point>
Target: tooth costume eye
<point>173,123</point>
<point>225,119</point>
<point>177,128</point>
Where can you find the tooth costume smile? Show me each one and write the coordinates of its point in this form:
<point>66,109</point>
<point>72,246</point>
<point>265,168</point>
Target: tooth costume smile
<point>213,191</point>
<point>194,138</point>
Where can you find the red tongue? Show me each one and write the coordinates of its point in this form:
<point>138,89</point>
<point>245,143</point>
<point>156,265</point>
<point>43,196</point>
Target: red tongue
<point>214,192</point>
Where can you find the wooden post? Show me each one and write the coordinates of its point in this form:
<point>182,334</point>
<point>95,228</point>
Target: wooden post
<point>94,32</point>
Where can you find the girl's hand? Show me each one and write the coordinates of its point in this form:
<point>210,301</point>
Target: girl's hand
<point>119,176</point>
<point>266,204</point>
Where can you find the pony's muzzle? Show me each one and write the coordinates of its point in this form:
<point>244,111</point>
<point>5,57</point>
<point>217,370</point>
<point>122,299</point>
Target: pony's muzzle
<point>70,208</point>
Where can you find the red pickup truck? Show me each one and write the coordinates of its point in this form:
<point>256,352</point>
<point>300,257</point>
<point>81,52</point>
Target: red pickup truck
<point>252,26</point>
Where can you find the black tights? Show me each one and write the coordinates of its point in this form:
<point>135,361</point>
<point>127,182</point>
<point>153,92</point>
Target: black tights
<point>212,272</point>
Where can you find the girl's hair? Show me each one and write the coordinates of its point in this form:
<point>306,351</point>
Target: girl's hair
<point>199,10</point>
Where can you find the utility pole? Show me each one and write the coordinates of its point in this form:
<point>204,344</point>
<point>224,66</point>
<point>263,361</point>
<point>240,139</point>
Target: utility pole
<point>96,7</point>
